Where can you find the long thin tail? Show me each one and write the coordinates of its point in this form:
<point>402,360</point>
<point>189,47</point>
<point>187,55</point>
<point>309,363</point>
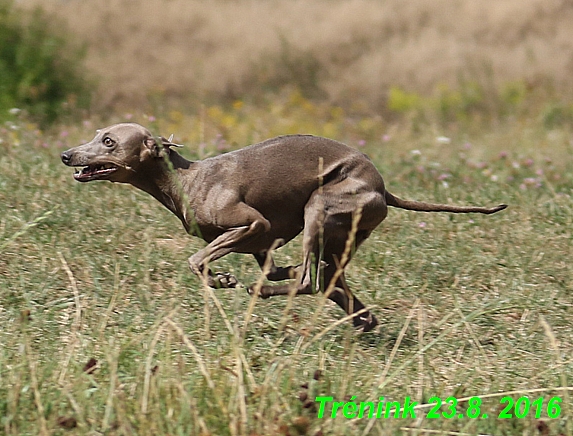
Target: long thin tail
<point>419,206</point>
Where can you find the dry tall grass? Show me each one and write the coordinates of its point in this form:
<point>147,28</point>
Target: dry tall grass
<point>349,51</point>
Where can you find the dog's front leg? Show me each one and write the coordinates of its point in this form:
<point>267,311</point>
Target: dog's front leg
<point>275,273</point>
<point>221,246</point>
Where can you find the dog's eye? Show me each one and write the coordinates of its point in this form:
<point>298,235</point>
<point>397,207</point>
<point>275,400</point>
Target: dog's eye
<point>108,142</point>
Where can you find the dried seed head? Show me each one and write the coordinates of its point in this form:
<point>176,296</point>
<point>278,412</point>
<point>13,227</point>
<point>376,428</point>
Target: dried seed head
<point>67,422</point>
<point>90,367</point>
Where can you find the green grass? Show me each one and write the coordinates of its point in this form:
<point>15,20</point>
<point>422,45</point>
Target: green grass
<point>469,305</point>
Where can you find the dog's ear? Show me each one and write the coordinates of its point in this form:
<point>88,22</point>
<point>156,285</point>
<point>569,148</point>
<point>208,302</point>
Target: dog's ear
<point>156,146</point>
<point>169,142</point>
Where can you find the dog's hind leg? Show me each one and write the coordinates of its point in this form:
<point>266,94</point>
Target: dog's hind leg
<point>329,221</point>
<point>337,290</point>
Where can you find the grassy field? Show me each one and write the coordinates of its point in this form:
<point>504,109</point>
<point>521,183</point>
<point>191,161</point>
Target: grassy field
<point>104,330</point>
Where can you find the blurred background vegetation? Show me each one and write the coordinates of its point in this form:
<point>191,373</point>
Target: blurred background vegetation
<point>40,65</point>
<point>439,60</point>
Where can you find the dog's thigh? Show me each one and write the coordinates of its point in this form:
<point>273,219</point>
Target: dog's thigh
<point>346,206</point>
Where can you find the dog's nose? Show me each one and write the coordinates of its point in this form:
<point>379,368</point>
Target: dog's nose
<point>66,157</point>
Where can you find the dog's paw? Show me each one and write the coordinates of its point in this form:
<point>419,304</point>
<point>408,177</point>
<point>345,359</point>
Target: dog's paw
<point>365,322</point>
<point>263,291</point>
<point>223,280</point>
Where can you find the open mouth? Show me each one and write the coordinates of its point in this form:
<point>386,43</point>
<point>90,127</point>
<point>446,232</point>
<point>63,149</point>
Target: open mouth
<point>94,172</point>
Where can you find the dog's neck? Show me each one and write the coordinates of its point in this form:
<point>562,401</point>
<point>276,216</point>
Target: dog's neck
<point>162,178</point>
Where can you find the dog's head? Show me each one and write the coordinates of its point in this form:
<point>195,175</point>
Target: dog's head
<point>116,153</point>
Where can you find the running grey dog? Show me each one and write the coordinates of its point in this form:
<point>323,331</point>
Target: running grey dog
<point>258,197</point>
